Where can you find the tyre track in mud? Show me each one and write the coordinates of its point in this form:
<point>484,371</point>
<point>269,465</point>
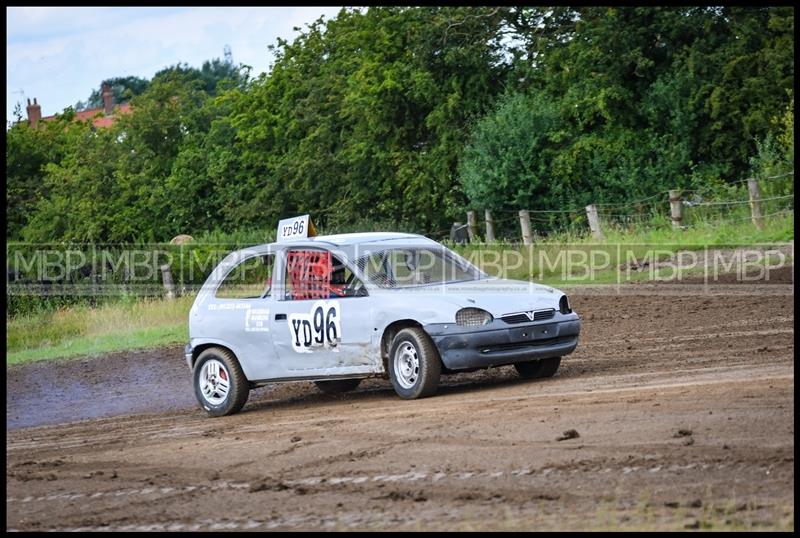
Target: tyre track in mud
<point>482,454</point>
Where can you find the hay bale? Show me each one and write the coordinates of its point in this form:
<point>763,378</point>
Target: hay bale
<point>181,239</point>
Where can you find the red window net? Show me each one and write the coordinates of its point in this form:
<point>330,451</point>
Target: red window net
<point>309,273</point>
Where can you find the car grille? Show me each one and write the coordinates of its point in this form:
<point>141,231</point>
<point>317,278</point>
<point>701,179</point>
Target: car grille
<point>531,344</point>
<point>522,317</point>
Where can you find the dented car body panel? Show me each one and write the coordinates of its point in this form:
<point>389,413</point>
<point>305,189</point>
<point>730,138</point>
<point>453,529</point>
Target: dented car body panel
<point>292,333</point>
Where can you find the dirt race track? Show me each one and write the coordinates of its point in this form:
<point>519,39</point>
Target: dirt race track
<point>682,398</point>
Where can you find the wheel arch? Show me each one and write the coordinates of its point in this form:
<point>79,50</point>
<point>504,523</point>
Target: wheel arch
<point>198,349</point>
<point>389,333</point>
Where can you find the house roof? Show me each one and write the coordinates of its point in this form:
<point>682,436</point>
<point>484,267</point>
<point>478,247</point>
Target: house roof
<point>97,116</point>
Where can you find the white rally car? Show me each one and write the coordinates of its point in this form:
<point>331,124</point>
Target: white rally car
<point>340,308</point>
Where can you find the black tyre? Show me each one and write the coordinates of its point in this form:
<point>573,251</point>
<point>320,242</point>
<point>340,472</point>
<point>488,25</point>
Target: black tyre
<point>538,369</point>
<point>414,364</point>
<point>219,383</point>
<point>337,386</point>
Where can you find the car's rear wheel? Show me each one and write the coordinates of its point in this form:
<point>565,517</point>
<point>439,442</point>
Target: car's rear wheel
<point>414,364</point>
<point>337,386</point>
<point>219,383</point>
<point>538,369</point>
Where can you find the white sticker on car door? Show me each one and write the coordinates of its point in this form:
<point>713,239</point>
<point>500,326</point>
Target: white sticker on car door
<point>257,320</point>
<point>320,328</point>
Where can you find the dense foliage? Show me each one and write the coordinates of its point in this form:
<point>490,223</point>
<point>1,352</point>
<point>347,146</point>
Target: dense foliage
<point>122,89</point>
<point>410,115</point>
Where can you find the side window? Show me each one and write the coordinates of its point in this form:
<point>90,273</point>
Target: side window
<point>251,279</point>
<point>407,267</point>
<point>378,268</point>
<point>344,282</point>
<point>317,274</point>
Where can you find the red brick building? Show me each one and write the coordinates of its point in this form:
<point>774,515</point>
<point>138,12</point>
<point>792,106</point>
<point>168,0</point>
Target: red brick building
<point>101,117</point>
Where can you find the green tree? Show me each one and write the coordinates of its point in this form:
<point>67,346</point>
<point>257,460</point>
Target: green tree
<point>210,74</point>
<point>122,88</point>
<point>150,140</point>
<point>81,188</point>
<point>114,183</point>
<point>363,117</point>
<point>507,161</point>
<point>28,152</point>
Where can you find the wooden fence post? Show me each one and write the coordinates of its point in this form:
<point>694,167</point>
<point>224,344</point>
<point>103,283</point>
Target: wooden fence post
<point>594,223</point>
<point>472,226</point>
<point>525,224</point>
<point>166,276</point>
<point>489,226</point>
<point>755,203</point>
<point>676,208</point>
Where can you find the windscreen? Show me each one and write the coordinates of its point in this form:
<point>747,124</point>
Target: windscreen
<point>416,266</point>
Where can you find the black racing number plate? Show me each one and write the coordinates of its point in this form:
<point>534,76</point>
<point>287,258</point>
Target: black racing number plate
<point>543,331</point>
<point>535,332</point>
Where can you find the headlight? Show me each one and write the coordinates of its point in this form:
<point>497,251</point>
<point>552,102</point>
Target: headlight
<point>473,317</point>
<point>563,305</point>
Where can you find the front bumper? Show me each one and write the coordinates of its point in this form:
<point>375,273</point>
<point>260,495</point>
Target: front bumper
<point>498,343</point>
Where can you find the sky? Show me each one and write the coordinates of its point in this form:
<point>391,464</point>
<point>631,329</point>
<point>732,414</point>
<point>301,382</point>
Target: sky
<point>60,54</point>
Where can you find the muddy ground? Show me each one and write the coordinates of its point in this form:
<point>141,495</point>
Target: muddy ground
<point>682,398</point>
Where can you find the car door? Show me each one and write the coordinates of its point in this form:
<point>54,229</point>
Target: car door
<point>359,347</point>
<point>318,326</point>
<point>241,311</point>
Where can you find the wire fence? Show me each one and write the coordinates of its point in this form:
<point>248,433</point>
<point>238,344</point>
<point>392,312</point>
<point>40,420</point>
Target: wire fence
<point>716,205</point>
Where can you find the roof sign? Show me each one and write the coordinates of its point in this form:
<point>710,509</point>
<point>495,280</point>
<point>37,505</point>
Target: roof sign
<point>295,228</point>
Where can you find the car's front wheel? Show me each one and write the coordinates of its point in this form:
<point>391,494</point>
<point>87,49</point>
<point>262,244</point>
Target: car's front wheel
<point>219,383</point>
<point>414,364</point>
<point>537,369</point>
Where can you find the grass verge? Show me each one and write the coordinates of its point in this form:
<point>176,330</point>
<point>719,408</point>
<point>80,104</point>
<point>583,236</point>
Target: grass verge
<point>80,331</point>
<point>567,259</point>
